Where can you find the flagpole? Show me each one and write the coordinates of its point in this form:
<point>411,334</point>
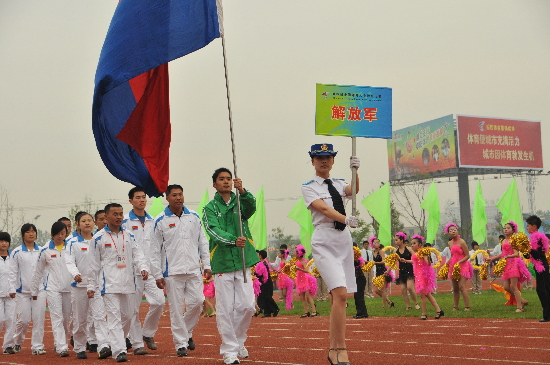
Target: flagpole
<point>234,154</point>
<point>353,178</point>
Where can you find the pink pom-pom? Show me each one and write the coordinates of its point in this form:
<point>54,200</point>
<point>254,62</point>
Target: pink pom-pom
<point>449,226</point>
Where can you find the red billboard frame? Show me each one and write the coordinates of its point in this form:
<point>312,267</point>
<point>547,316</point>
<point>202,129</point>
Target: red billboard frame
<point>499,143</point>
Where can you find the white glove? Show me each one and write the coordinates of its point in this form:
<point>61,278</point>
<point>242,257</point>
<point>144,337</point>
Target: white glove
<point>352,221</point>
<point>354,162</point>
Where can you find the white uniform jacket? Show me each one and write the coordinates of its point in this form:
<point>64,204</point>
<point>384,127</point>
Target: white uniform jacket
<point>5,276</point>
<point>142,233</point>
<point>22,268</point>
<point>104,270</point>
<point>77,259</point>
<point>179,244</point>
<point>51,270</point>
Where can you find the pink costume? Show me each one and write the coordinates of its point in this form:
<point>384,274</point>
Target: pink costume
<point>209,290</point>
<point>515,266</point>
<point>283,281</point>
<point>424,275</point>
<point>466,268</point>
<point>304,281</point>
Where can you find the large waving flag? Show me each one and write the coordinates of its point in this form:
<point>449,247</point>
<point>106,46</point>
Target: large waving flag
<point>301,215</point>
<point>131,112</point>
<point>510,207</point>
<point>379,206</point>
<point>479,219</point>
<point>258,224</point>
<point>431,205</point>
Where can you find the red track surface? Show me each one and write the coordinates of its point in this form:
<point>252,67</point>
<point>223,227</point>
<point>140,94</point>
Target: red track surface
<point>293,340</point>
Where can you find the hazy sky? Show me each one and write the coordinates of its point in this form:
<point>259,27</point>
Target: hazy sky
<point>487,58</point>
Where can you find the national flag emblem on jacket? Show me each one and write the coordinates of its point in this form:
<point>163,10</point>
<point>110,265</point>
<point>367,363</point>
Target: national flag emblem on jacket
<point>53,255</point>
<point>172,225</point>
<point>131,112</point>
<point>84,249</point>
<point>134,228</point>
<point>107,245</point>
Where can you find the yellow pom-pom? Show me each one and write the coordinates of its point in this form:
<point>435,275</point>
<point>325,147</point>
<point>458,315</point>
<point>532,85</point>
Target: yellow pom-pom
<point>456,272</point>
<point>379,281</point>
<point>473,257</point>
<point>315,272</point>
<point>356,253</point>
<point>519,241</point>
<point>389,248</point>
<point>286,269</point>
<point>292,273</point>
<point>484,272</point>
<point>499,267</point>
<point>392,260</point>
<point>443,273</point>
<point>273,275</point>
<point>252,270</point>
<point>368,266</point>
<point>293,260</point>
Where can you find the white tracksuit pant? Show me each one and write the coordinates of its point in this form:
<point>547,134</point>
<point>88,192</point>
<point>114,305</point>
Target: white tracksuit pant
<point>155,298</point>
<point>85,310</point>
<point>182,287</point>
<point>234,309</point>
<point>119,309</point>
<point>26,308</point>
<point>7,320</point>
<point>59,304</point>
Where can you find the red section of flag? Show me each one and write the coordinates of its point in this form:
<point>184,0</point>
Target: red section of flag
<point>148,129</point>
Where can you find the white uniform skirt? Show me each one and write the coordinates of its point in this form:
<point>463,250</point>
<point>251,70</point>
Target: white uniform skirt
<point>333,254</point>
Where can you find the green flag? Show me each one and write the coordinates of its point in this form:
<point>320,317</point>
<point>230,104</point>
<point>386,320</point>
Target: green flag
<point>257,222</point>
<point>479,218</point>
<point>301,215</point>
<point>509,206</point>
<point>431,205</point>
<point>156,207</point>
<point>378,205</point>
<point>204,200</point>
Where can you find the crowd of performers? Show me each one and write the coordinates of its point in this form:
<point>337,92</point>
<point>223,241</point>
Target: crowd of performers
<point>94,278</point>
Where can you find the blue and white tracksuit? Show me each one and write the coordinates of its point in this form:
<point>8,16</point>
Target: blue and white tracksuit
<point>85,310</point>
<point>21,270</point>
<point>178,249</point>
<point>155,297</point>
<point>118,283</point>
<point>57,284</point>
<point>7,304</point>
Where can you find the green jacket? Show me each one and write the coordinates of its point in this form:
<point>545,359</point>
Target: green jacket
<point>222,226</point>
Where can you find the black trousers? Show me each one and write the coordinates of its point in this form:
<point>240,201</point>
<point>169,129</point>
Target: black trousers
<point>265,299</point>
<point>543,291</point>
<point>359,295</point>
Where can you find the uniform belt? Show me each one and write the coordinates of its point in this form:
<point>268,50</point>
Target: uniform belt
<point>331,225</point>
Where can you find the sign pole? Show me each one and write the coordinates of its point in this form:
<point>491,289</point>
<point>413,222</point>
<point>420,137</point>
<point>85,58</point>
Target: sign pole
<point>353,178</point>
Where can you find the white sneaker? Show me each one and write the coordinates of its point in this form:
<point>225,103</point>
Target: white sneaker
<point>243,353</point>
<point>231,360</point>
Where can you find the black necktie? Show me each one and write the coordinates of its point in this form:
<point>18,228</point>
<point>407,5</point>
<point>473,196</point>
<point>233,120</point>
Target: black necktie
<point>337,203</point>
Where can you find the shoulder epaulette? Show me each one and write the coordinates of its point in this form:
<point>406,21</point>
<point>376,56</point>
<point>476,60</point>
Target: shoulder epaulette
<point>309,182</point>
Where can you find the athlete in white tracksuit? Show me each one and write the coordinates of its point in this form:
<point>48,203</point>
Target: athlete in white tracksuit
<point>78,263</point>
<point>178,248</point>
<point>114,258</point>
<point>24,259</point>
<point>155,297</point>
<point>51,262</point>
<point>7,304</point>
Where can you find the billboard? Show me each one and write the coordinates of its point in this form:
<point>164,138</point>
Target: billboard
<point>499,143</point>
<point>422,148</point>
<point>353,111</point>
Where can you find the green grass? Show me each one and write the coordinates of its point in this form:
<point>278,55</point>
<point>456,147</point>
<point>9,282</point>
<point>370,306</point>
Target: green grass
<point>490,304</point>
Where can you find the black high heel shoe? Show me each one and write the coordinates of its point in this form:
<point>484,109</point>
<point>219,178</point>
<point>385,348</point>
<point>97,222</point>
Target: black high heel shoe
<point>338,361</point>
<point>439,314</point>
<point>305,315</point>
<point>391,304</point>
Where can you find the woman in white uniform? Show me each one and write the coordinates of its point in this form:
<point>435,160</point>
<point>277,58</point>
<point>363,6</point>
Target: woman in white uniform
<point>331,242</point>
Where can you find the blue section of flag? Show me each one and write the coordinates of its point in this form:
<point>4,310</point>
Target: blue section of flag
<point>143,35</point>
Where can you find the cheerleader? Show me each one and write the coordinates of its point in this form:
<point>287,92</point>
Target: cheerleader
<point>209,291</point>
<point>306,285</point>
<point>284,283</point>
<point>406,275</point>
<point>424,277</point>
<point>461,256</point>
<point>331,242</point>
<point>515,270</point>
<point>381,269</point>
<point>539,252</point>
